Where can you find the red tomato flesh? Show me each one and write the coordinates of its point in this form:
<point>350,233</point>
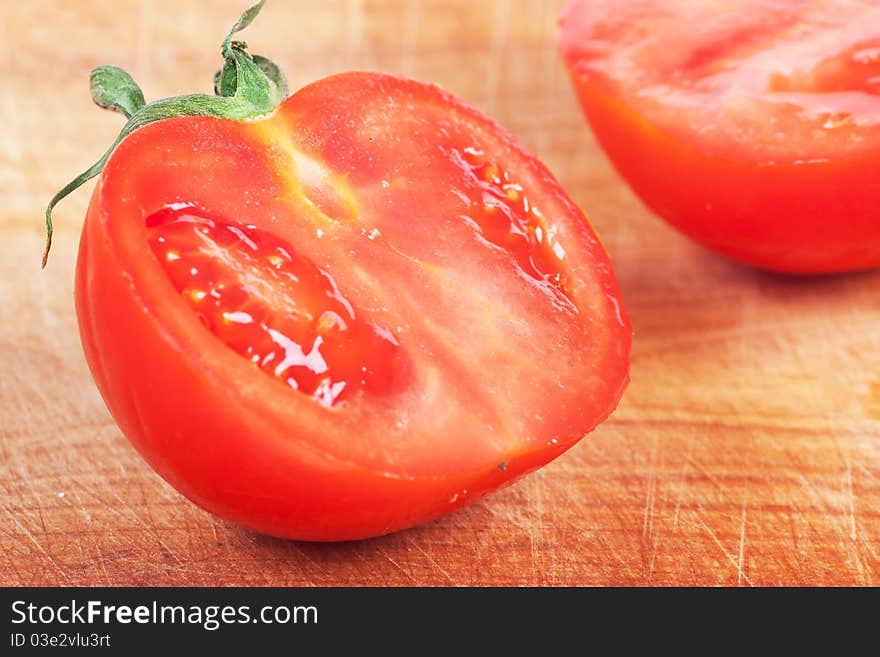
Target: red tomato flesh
<point>353,316</point>
<point>752,126</point>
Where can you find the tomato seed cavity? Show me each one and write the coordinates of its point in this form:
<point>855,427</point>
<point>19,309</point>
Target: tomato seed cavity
<point>272,306</point>
<point>505,217</point>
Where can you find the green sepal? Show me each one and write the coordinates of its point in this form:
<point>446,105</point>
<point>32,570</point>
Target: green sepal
<point>247,17</point>
<point>253,94</point>
<point>226,79</point>
<point>272,71</point>
<point>114,89</point>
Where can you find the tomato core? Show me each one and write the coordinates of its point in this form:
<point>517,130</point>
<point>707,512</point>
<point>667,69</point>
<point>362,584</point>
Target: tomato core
<point>273,306</point>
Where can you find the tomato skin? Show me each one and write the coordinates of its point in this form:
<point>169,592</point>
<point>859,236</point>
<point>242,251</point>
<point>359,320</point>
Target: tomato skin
<point>804,218</point>
<point>229,437</point>
<point>803,215</point>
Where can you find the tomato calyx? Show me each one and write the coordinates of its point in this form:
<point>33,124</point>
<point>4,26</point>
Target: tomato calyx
<point>247,87</point>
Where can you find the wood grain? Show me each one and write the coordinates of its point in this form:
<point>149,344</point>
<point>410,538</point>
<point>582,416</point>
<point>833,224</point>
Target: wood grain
<point>746,450</point>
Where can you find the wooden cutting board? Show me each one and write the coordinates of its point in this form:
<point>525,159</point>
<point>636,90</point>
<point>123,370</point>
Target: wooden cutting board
<point>745,452</point>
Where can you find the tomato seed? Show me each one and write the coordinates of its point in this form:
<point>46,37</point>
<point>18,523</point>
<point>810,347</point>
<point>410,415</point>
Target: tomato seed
<point>272,306</point>
<point>505,217</point>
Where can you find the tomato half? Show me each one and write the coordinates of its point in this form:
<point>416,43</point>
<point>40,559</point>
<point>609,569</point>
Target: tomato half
<point>355,315</point>
<point>753,126</point>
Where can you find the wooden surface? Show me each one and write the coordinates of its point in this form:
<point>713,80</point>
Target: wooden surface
<point>745,452</point>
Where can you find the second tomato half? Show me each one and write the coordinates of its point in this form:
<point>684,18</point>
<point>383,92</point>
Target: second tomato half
<point>753,126</point>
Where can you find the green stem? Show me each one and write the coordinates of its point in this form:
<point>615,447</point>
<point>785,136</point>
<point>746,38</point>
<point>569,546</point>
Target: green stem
<point>247,87</point>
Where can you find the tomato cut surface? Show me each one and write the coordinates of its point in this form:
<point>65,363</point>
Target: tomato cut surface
<point>753,126</point>
<point>362,312</point>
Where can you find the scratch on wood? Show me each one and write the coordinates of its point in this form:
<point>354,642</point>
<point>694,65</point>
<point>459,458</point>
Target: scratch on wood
<point>648,552</point>
<point>870,549</point>
<point>405,573</point>
<point>855,548</point>
<point>565,518</point>
<point>742,533</point>
<point>101,560</point>
<point>853,532</point>
<point>35,542</point>
<point>536,528</point>
<point>679,496</point>
<point>167,548</point>
<point>310,559</point>
<point>12,562</point>
<point>123,509</point>
<point>79,506</point>
<point>703,471</point>
<point>724,551</point>
<point>46,548</point>
<point>434,563</point>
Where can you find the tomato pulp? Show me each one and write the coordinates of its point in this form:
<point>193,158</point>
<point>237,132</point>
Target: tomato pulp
<point>354,315</point>
<point>752,126</point>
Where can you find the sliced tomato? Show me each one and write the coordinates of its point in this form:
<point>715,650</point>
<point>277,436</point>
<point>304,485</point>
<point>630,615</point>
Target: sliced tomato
<point>751,125</point>
<point>353,316</point>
